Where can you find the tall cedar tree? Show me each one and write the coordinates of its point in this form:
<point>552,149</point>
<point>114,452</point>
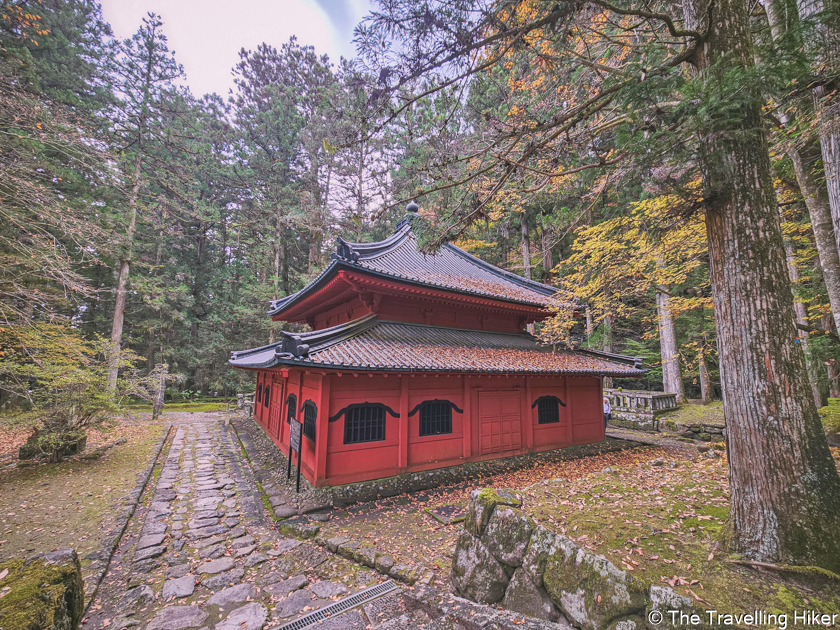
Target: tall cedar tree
<point>682,93</point>
<point>143,72</point>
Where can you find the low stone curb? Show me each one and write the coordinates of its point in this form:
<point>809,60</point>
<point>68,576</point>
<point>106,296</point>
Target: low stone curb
<point>470,615</point>
<point>383,563</point>
<point>102,558</point>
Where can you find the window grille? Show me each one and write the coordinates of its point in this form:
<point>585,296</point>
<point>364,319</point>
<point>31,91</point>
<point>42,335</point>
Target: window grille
<point>266,396</point>
<point>435,418</point>
<point>310,412</point>
<point>548,411</point>
<point>259,394</point>
<point>364,424</point>
<point>291,406</point>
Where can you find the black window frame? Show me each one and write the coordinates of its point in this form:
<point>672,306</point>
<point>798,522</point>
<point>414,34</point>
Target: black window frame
<point>266,395</point>
<point>291,408</point>
<point>435,418</point>
<point>355,432</point>
<point>310,416</point>
<point>259,393</point>
<point>548,409</point>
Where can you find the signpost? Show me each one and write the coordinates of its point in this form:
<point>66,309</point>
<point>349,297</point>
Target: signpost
<point>294,444</point>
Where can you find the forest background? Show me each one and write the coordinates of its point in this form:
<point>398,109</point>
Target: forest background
<point>139,216</point>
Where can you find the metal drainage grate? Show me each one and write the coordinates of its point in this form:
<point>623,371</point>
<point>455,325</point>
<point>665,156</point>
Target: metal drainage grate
<point>343,605</point>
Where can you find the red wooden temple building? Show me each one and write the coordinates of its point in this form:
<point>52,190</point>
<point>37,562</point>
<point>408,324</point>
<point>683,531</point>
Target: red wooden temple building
<point>418,361</point>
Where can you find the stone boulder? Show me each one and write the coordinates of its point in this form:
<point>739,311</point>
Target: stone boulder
<point>540,547</point>
<point>476,574</point>
<point>46,592</point>
<point>524,597</point>
<point>507,534</point>
<point>590,590</point>
<point>481,506</point>
<point>669,603</point>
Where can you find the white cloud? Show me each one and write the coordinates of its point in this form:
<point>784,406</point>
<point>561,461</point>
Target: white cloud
<point>207,35</point>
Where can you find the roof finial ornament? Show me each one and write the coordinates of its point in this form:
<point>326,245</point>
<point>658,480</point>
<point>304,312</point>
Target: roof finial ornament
<point>412,207</point>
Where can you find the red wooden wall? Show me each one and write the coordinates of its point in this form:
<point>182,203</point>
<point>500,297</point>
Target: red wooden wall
<point>497,420</point>
<point>419,311</point>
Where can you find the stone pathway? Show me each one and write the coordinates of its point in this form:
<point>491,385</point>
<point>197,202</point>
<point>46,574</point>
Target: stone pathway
<point>200,552</point>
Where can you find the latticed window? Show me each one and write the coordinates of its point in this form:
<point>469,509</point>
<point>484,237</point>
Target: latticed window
<point>364,424</point>
<point>548,411</point>
<point>435,418</point>
<point>310,412</point>
<point>291,407</point>
<point>266,396</point>
<point>259,394</point>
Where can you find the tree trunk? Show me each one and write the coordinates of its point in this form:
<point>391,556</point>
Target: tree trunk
<point>609,320</point>
<point>823,43</point>
<point>707,394</point>
<point>160,391</point>
<point>547,259</point>
<point>820,211</point>
<point>526,247</point>
<point>122,284</point>
<point>671,373</point>
<point>785,490</point>
<point>814,193</point>
<point>802,318</point>
<point>316,231</point>
<point>833,374</point>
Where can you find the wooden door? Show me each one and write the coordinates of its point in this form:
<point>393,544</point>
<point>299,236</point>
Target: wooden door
<point>273,424</point>
<point>499,424</point>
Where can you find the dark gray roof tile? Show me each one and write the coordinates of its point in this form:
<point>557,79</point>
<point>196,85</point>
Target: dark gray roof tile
<point>368,343</point>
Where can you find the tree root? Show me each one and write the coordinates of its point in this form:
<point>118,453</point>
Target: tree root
<point>806,571</point>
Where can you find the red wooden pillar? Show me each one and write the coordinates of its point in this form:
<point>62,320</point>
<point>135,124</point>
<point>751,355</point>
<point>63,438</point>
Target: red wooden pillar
<point>468,423</point>
<point>402,459</point>
<point>570,403</point>
<point>527,420</point>
<point>322,426</point>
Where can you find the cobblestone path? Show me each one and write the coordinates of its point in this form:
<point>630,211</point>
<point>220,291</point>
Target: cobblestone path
<point>201,553</point>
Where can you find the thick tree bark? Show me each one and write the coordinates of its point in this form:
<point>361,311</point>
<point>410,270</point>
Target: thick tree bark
<point>820,399</point>
<point>122,283</point>
<point>671,373</point>
<point>785,490</point>
<point>526,247</point>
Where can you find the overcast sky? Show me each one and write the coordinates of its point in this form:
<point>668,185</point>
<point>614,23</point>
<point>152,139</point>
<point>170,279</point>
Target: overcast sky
<point>207,35</point>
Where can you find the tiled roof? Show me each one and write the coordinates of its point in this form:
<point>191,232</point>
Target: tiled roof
<point>371,344</point>
<point>449,268</point>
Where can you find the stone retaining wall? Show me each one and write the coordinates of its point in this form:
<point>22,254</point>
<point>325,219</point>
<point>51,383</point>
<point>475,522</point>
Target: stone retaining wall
<point>503,557</point>
<point>702,432</point>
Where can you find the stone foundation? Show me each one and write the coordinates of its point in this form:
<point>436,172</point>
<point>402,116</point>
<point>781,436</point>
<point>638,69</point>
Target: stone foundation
<point>504,557</point>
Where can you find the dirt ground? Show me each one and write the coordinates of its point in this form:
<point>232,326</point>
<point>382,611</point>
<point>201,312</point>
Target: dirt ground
<point>54,506</point>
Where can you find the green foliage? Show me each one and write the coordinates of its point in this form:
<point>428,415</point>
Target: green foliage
<point>830,415</point>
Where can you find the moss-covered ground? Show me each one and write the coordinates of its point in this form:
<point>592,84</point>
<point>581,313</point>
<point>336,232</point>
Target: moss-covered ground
<point>689,413</point>
<point>665,524</point>
<point>72,504</point>
<point>830,415</point>
<point>402,527</point>
<point>658,514</point>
